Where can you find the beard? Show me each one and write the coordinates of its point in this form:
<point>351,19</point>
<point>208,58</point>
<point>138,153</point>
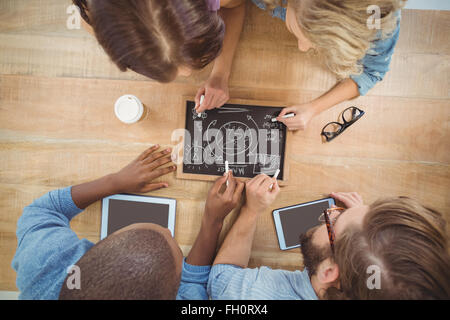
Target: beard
<point>313,255</point>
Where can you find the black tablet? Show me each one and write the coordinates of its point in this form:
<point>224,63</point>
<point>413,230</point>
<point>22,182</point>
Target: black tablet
<point>121,210</point>
<point>291,222</point>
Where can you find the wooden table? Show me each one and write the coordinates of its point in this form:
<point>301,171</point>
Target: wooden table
<point>57,124</point>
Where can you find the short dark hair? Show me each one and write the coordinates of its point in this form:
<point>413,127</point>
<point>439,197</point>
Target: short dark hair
<point>135,264</point>
<point>154,37</point>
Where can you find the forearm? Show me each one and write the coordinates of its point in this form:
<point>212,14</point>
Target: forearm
<point>237,246</point>
<point>87,193</point>
<point>234,21</point>
<point>204,248</point>
<point>343,91</point>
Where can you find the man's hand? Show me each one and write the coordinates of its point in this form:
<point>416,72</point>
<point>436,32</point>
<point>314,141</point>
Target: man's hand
<point>259,194</point>
<point>349,199</point>
<point>220,204</point>
<point>215,91</point>
<point>138,175</point>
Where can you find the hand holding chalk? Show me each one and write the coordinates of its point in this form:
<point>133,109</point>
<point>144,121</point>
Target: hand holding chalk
<point>286,116</point>
<point>275,176</point>
<point>202,98</point>
<point>258,194</point>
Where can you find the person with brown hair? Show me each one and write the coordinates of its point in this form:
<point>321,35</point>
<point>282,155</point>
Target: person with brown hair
<point>162,39</point>
<point>393,249</point>
<point>140,261</point>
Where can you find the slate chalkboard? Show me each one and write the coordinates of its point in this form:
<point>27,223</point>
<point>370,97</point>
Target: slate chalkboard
<point>242,134</point>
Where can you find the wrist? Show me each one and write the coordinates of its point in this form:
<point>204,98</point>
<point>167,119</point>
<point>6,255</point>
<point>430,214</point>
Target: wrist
<point>212,223</point>
<point>113,184</point>
<point>251,212</point>
<point>221,73</point>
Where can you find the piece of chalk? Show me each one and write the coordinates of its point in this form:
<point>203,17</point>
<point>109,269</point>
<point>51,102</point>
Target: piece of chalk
<point>275,176</point>
<point>227,169</point>
<point>201,101</point>
<point>289,115</point>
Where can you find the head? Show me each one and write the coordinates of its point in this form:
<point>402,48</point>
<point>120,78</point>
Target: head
<point>337,30</point>
<point>141,261</point>
<point>405,242</point>
<point>158,39</point>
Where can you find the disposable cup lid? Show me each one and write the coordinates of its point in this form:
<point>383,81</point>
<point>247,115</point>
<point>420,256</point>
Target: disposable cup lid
<point>128,109</point>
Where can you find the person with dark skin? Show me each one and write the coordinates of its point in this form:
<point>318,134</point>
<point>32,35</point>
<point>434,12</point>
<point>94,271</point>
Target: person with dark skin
<point>140,261</point>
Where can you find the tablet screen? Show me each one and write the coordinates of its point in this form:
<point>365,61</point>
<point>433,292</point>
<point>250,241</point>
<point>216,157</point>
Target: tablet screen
<point>123,213</point>
<point>296,221</point>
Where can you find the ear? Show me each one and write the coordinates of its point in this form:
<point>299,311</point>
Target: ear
<point>327,272</point>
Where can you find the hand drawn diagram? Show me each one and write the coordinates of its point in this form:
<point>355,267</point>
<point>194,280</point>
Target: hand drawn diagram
<point>243,135</point>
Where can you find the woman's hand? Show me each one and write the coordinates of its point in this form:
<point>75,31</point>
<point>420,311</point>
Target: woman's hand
<point>260,192</point>
<point>138,175</point>
<point>215,91</point>
<point>303,115</point>
<point>349,199</point>
<point>220,204</point>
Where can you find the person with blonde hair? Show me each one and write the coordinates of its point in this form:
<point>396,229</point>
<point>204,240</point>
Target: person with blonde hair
<point>355,39</point>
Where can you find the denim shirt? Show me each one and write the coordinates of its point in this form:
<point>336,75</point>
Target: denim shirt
<point>377,59</point>
<point>47,247</point>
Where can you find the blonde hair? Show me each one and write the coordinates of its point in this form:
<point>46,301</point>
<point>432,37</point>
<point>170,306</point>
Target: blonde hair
<point>338,29</point>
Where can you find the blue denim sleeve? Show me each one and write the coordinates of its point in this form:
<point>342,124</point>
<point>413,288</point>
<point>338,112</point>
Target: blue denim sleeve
<point>46,245</point>
<point>193,282</point>
<point>376,61</point>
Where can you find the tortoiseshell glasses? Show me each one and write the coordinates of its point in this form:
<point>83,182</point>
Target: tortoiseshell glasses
<point>329,222</point>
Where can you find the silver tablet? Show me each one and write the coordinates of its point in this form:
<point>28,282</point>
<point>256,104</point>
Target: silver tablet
<point>121,210</point>
<point>291,222</point>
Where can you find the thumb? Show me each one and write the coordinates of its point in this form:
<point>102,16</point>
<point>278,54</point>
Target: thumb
<point>200,92</point>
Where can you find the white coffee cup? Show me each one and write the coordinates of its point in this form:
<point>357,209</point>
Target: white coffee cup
<point>129,109</point>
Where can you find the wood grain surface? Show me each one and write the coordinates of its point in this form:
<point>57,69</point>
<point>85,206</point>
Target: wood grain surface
<point>58,128</point>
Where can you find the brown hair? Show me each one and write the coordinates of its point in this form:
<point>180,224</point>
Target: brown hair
<point>154,37</point>
<point>406,241</point>
<point>133,264</point>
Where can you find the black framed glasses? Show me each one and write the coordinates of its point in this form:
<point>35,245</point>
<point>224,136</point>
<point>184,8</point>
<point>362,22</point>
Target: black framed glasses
<point>349,116</point>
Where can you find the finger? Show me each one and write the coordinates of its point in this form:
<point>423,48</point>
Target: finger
<point>147,152</point>
<point>154,186</point>
<point>231,185</point>
<point>200,92</point>
<point>285,111</point>
<point>267,182</point>
<point>160,172</point>
<point>156,156</point>
<point>214,102</point>
<point>222,101</point>
<point>343,197</point>
<point>238,191</point>
<point>158,163</point>
<point>291,123</point>
<point>263,179</point>
<point>218,184</point>
<point>275,188</point>
<point>206,102</point>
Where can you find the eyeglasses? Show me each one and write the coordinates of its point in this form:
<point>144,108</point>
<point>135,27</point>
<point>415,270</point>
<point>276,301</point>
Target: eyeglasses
<point>349,116</point>
<point>329,222</point>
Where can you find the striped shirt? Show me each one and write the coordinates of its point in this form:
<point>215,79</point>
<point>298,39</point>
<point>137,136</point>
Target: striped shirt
<point>230,282</point>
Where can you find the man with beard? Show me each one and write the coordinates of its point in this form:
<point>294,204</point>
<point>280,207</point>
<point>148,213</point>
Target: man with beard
<point>398,240</point>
